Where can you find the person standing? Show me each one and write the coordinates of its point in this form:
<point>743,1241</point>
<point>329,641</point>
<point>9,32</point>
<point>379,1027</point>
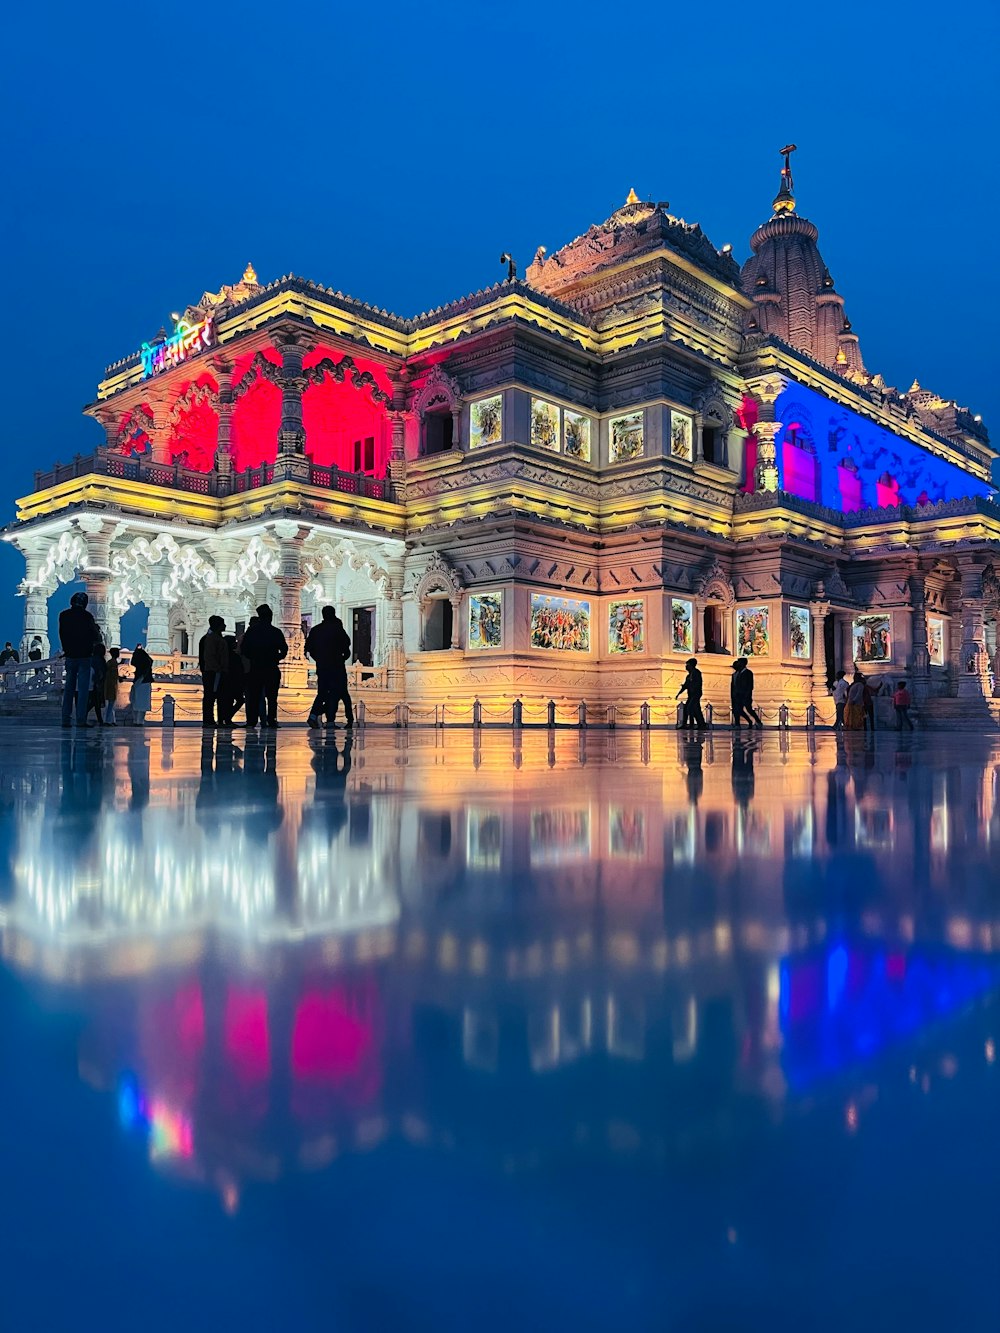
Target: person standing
<point>873,688</point>
<point>692,687</point>
<point>231,691</point>
<point>98,667</point>
<point>741,694</point>
<point>329,646</point>
<point>35,649</point>
<point>213,658</point>
<point>9,655</point>
<point>142,684</point>
<point>265,648</point>
<point>854,710</point>
<point>839,691</point>
<point>901,701</point>
<point>77,635</point>
<point>111,680</point>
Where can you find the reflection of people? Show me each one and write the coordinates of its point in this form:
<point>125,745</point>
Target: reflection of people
<point>692,687</point>
<point>742,771</point>
<point>741,694</point>
<point>329,646</point>
<point>77,636</point>
<point>264,647</point>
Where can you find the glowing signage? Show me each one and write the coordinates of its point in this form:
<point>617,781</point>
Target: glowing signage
<point>186,340</point>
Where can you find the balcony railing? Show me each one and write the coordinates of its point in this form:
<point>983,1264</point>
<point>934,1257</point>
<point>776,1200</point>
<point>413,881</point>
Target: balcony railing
<point>175,477</point>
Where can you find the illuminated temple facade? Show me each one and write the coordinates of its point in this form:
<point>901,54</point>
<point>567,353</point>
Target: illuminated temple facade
<point>560,487</point>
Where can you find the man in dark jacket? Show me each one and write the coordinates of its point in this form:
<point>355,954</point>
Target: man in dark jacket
<point>741,694</point>
<point>213,662</point>
<point>329,646</point>
<point>78,633</point>
<point>264,647</point>
<point>9,654</point>
<point>692,687</point>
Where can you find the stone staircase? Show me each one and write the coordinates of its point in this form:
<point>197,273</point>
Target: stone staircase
<point>958,715</point>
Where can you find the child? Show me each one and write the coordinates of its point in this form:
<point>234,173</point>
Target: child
<point>901,703</point>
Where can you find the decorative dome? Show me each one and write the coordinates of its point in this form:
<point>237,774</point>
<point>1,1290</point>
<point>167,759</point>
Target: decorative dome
<point>791,287</point>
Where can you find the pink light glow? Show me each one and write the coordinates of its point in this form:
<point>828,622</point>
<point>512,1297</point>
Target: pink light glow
<point>247,1034</point>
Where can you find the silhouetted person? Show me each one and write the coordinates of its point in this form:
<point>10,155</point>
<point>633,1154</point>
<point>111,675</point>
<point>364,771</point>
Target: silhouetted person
<point>9,655</point>
<point>98,666</point>
<point>213,659</point>
<point>35,649</point>
<point>692,688</point>
<point>741,694</point>
<point>231,689</point>
<point>901,701</point>
<point>142,684</point>
<point>77,635</point>
<point>265,648</point>
<point>110,692</point>
<point>329,646</point>
<point>839,692</point>
<point>873,688</point>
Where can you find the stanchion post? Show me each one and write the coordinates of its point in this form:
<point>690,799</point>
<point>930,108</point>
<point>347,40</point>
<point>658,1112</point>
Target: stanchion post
<point>582,714</point>
<point>169,710</point>
<point>680,716</point>
<point>360,713</point>
<point>709,714</point>
<point>811,715</point>
<point>517,713</point>
<point>612,717</point>
<point>550,713</point>
<point>783,716</point>
<point>644,715</point>
<point>477,713</point>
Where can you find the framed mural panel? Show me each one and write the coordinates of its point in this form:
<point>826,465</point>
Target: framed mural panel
<point>935,640</point>
<point>800,633</point>
<point>483,838</point>
<point>544,424</point>
<point>753,634</point>
<point>872,638</point>
<point>625,437</point>
<point>576,436</point>
<point>681,625</point>
<point>627,833</point>
<point>486,421</point>
<point>485,620</point>
<point>627,627</point>
<point>681,436</point>
<point>562,623</point>
<point>558,835</point>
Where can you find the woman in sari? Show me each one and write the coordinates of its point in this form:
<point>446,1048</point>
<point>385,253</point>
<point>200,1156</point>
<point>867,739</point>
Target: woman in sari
<point>854,709</point>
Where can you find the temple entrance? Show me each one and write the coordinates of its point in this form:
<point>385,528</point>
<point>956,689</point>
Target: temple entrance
<point>363,635</point>
<point>830,647</point>
<point>438,623</point>
<point>439,430</point>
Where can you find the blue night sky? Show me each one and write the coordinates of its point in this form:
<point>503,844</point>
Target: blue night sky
<point>394,151</point>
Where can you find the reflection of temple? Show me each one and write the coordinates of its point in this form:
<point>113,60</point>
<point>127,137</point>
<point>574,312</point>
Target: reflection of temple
<point>557,487</point>
<point>387,944</point>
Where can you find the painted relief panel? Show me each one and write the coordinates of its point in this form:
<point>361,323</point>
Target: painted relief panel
<point>627,627</point>
<point>681,436</point>
<point>935,639</point>
<point>681,625</point>
<point>753,634</point>
<point>800,632</point>
<point>544,424</point>
<point>627,833</point>
<point>626,437</point>
<point>576,430</point>
<point>560,622</point>
<point>872,639</point>
<point>485,620</point>
<point>486,421</point>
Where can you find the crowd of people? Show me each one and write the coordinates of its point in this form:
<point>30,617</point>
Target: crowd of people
<point>236,672</point>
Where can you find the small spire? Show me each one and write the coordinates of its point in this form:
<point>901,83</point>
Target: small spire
<point>784,200</point>
<point>633,198</point>
<point>250,275</point>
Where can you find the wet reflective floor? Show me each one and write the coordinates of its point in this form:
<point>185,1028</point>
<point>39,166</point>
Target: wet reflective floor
<point>435,1032</point>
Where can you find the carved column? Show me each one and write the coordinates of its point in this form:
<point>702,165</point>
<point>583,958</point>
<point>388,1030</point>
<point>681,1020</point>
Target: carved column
<point>973,682</point>
<point>397,417</point>
<point>698,628</point>
<point>920,658</point>
<point>456,624</point>
<point>698,443</point>
<point>820,672</point>
<point>290,579</point>
<point>96,573</point>
<point>158,627</point>
<point>291,463</point>
<point>394,656</point>
<point>159,431</point>
<point>766,477</point>
<point>223,446</point>
<point>36,602</point>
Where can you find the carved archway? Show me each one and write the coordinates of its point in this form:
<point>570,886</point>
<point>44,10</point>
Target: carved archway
<point>715,598</point>
<point>713,422</point>
<point>439,583</point>
<point>438,405</point>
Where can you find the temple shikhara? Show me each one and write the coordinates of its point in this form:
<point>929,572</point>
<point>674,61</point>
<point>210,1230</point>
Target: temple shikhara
<point>560,487</point>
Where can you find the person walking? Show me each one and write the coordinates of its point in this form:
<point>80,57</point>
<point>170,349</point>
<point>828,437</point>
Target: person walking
<point>231,689</point>
<point>77,635</point>
<point>264,647</point>
<point>142,685</point>
<point>111,682</point>
<point>901,701</point>
<point>692,688</point>
<point>9,655</point>
<point>854,708</point>
<point>98,667</point>
<point>213,659</point>
<point>839,692</point>
<point>741,694</point>
<point>873,688</point>
<point>329,646</point>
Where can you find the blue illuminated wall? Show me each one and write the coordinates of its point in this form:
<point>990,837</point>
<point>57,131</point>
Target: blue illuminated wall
<point>833,435</point>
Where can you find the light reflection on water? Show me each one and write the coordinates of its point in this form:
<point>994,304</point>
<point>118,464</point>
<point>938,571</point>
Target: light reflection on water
<point>537,951</point>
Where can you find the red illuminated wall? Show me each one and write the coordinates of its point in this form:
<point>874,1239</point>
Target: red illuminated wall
<point>256,416</point>
<point>196,432</point>
<point>335,415</point>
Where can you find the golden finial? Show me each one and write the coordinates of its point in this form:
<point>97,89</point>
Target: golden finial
<point>784,200</point>
<point>250,275</point>
<point>633,198</point>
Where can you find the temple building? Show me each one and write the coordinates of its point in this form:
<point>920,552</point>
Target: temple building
<point>557,488</point>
